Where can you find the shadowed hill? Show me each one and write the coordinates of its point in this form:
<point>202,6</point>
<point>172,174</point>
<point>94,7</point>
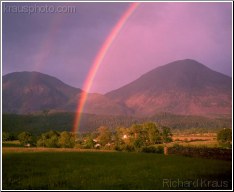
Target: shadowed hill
<point>25,92</point>
<point>29,92</point>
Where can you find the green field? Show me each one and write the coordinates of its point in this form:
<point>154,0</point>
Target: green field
<point>113,170</point>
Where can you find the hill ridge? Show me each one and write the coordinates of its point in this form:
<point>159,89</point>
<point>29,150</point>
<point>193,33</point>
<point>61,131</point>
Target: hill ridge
<point>184,87</point>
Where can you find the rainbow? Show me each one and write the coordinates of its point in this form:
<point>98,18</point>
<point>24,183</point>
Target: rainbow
<point>98,60</point>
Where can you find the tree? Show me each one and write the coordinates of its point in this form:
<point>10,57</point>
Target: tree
<point>52,142</point>
<point>153,133</point>
<point>145,134</point>
<point>137,135</point>
<point>25,138</point>
<point>225,136</point>
<point>66,140</point>
<point>104,135</point>
<point>120,136</point>
<point>166,134</point>
<point>89,143</point>
<point>48,139</point>
<point>5,136</point>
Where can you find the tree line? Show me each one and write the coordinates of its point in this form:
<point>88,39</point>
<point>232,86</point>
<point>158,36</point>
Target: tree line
<point>132,138</point>
<point>137,137</point>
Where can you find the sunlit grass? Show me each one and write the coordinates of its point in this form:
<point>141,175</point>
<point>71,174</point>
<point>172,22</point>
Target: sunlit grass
<point>14,143</point>
<point>210,143</point>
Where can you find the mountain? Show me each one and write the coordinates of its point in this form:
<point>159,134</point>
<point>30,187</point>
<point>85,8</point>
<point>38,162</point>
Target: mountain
<point>25,92</point>
<point>29,92</point>
<point>102,105</point>
<point>183,87</point>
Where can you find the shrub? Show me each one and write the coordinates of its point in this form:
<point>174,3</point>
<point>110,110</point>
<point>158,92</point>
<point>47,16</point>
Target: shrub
<point>160,149</point>
<point>224,136</point>
<point>129,148</point>
<point>25,138</point>
<point>205,152</point>
<point>5,136</point>
<point>118,148</point>
<point>153,149</point>
<point>176,145</point>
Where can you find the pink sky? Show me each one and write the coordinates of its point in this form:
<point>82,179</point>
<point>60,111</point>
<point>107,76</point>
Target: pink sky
<point>65,45</point>
<point>159,33</point>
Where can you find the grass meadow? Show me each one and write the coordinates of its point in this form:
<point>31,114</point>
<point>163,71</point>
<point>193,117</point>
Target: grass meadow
<point>80,170</point>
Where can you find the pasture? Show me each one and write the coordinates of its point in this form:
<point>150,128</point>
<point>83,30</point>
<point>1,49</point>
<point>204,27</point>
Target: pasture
<point>85,170</point>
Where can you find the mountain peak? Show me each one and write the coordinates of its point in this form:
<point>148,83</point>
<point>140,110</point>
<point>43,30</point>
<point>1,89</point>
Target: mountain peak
<point>184,87</point>
<point>25,92</point>
<point>175,88</point>
<point>34,91</point>
<point>187,63</point>
<point>182,66</point>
